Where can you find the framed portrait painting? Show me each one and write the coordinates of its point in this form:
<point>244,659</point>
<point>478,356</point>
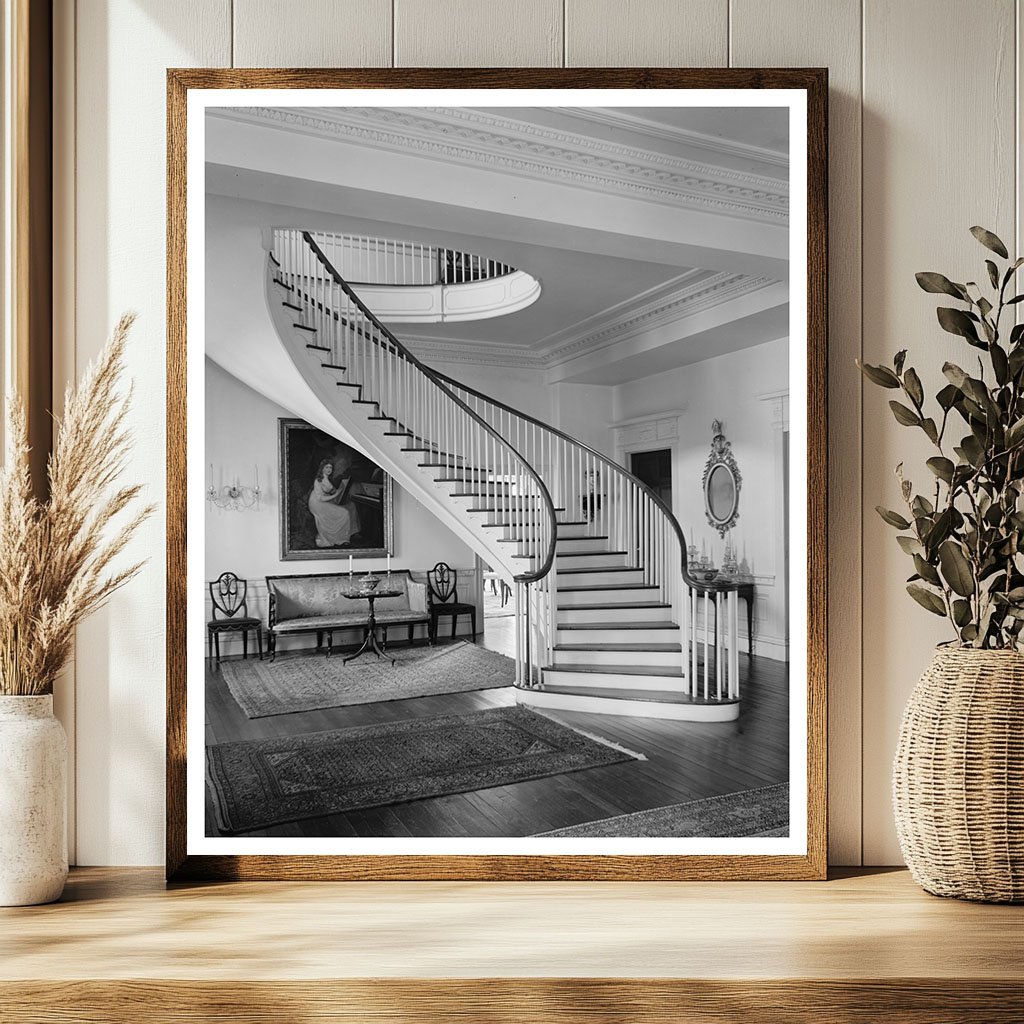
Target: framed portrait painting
<point>519,308</point>
<point>335,502</point>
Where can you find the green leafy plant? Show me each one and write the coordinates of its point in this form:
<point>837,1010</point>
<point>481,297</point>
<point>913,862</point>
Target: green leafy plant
<point>965,534</point>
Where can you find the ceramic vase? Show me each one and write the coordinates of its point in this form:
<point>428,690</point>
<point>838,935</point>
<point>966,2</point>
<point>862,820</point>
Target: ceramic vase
<point>958,778</point>
<point>33,798</point>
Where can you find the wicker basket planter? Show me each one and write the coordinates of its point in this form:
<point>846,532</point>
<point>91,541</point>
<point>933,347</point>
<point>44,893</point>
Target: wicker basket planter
<point>958,776</point>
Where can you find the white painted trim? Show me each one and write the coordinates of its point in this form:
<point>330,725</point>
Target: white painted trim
<point>463,135</point>
<point>629,708</point>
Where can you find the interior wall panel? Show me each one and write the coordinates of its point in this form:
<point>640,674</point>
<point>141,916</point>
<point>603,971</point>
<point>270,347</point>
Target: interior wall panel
<point>789,33</point>
<point>468,33</point>
<point>312,33</point>
<point>122,51</point>
<point>939,156</point>
<point>646,33</point>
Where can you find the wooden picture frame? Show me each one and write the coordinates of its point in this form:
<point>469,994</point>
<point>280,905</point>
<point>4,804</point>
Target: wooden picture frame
<point>811,863</point>
<point>360,492</point>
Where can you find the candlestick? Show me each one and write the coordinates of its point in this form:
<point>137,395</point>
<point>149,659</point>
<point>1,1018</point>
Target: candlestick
<point>350,567</point>
<point>389,564</point>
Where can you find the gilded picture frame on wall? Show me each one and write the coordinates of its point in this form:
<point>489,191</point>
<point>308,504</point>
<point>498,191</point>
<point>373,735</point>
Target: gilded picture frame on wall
<point>492,291</point>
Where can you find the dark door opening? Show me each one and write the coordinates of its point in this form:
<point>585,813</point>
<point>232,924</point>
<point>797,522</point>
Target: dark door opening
<point>655,470</point>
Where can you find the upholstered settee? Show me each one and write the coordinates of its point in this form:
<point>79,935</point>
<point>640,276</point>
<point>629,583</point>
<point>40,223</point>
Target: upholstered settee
<point>316,603</point>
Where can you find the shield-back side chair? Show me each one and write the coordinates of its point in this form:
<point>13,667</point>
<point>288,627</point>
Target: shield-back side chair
<point>443,584</point>
<point>230,615</point>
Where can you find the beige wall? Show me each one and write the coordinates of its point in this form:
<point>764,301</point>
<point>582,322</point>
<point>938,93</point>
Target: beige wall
<point>923,145</point>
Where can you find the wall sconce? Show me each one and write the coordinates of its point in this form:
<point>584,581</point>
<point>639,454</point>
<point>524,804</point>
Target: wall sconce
<point>235,496</point>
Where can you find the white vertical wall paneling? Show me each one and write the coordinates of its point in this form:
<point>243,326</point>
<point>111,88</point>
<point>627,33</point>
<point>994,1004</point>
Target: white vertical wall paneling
<point>939,156</point>
<point>468,33</point>
<point>791,33</point>
<point>646,33</point>
<point>312,33</point>
<point>123,48</point>
<point>64,358</point>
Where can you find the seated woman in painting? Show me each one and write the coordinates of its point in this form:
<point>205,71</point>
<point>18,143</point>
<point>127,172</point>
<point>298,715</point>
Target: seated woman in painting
<point>337,519</point>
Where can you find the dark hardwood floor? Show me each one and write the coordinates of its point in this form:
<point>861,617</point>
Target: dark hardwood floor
<point>685,761</point>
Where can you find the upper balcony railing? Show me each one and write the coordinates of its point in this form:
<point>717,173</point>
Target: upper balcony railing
<point>363,259</point>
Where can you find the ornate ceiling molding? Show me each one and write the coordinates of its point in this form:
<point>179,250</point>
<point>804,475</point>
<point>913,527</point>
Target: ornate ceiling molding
<point>666,309</point>
<point>617,118</point>
<point>596,333</point>
<point>504,144</point>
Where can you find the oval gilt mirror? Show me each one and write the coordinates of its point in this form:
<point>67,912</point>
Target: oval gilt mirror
<point>721,483</point>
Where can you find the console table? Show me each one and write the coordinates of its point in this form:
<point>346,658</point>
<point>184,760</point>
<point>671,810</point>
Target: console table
<point>865,946</point>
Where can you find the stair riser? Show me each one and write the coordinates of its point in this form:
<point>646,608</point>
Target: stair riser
<point>572,530</point>
<point>627,659</point>
<point>571,615</point>
<point>613,681</point>
<point>588,562</point>
<point>557,700</point>
<point>599,577</point>
<point>616,636</point>
<point>573,545</point>
<point>571,598</point>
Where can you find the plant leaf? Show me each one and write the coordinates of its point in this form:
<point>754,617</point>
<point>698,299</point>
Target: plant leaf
<point>955,568</point>
<point>961,612</point>
<point>892,518</point>
<point>1015,434</point>
<point>912,385</point>
<point>993,273</point>
<point>926,598</point>
<point>990,241</point>
<point>880,375</point>
<point>956,321</point>
<point>1000,364</point>
<point>948,397</point>
<point>941,467</point>
<point>911,545</point>
<point>905,416</point>
<point>939,284</point>
<point>926,571</point>
<point>954,375</point>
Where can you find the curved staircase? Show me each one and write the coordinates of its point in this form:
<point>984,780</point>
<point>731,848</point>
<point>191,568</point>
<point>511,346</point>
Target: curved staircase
<point>606,619</point>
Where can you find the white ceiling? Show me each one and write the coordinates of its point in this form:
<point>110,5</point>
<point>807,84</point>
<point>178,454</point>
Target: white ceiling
<point>584,293</point>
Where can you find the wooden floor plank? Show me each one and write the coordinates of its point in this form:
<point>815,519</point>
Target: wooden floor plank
<point>684,760</point>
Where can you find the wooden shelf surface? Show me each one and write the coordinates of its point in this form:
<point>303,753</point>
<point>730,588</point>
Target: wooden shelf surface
<point>121,946</point>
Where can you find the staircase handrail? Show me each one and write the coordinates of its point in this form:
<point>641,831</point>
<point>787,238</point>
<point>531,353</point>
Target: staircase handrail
<point>438,381</point>
<point>604,459</point>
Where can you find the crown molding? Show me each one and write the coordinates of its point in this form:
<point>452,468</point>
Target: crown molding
<point>684,136</point>
<point>665,309</point>
<point>616,325</point>
<point>473,137</point>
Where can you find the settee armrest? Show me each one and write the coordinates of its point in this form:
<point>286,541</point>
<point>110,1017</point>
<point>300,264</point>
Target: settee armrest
<point>417,593</point>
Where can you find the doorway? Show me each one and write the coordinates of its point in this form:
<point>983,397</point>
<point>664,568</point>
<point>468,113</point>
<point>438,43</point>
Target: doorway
<point>655,470</point>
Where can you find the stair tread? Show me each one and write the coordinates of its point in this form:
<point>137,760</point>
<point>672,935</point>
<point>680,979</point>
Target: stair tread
<point>583,570</point>
<point>592,536</point>
<point>662,671</point>
<point>643,696</point>
<point>609,586</point>
<point>625,648</point>
<point>655,624</point>
<point>615,604</point>
<point>590,554</point>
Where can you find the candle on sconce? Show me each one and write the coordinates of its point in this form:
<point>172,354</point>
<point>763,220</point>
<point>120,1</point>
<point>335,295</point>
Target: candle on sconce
<point>350,567</point>
<point>389,563</point>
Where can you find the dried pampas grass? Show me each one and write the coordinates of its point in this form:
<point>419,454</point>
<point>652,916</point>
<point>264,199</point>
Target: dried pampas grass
<point>56,556</point>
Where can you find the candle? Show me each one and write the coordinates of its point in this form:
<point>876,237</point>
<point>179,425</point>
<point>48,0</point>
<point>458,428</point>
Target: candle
<point>389,563</point>
<point>257,469</point>
<point>350,567</point>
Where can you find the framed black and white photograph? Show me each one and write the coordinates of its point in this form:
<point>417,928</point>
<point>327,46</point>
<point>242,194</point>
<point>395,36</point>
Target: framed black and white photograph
<point>335,502</point>
<point>543,354</point>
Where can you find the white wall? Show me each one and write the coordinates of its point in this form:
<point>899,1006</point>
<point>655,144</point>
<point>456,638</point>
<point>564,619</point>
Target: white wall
<point>924,143</point>
<point>242,435</point>
<point>741,390</point>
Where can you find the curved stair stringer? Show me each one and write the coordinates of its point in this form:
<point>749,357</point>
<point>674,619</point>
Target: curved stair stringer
<point>276,364</point>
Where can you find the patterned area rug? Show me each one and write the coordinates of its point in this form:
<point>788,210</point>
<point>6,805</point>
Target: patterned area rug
<point>257,783</point>
<point>760,813</point>
<point>306,682</point>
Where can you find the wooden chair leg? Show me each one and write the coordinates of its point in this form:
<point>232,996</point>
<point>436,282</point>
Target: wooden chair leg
<point>245,644</point>
<point>410,634</point>
<point>472,619</point>
<point>259,641</point>
<point>216,644</point>
<point>209,644</point>
<point>455,622</point>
